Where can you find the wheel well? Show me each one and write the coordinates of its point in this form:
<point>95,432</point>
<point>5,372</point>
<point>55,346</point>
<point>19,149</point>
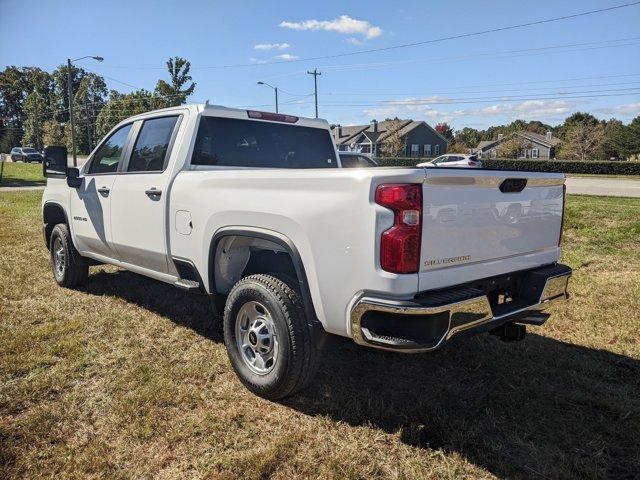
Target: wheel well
<point>238,256</point>
<point>52,214</point>
<point>235,254</point>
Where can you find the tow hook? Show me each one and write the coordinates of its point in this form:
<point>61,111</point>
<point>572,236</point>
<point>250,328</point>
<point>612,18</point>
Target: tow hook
<point>510,332</point>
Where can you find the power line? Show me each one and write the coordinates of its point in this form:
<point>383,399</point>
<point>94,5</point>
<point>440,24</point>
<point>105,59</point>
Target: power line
<point>412,44</point>
<point>550,49</point>
<point>401,103</point>
<point>528,52</point>
<point>478,91</point>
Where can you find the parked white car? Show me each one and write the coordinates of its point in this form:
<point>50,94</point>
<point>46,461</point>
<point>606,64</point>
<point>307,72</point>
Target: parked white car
<point>453,160</point>
<point>254,210</point>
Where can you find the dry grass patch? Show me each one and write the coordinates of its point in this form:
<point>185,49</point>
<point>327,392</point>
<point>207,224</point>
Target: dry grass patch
<point>128,378</point>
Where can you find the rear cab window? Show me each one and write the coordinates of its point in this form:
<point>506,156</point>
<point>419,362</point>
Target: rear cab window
<point>149,152</point>
<point>259,144</point>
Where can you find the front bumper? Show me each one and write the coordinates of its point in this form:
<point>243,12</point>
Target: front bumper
<point>433,318</point>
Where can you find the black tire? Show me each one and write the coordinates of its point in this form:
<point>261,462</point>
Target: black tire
<point>297,355</point>
<point>72,270</point>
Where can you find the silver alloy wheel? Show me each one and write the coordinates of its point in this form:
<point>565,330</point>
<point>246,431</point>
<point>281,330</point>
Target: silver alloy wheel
<point>256,337</point>
<point>59,259</point>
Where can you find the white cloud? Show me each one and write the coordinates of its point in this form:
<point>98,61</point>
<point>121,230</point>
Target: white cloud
<point>420,109</point>
<point>629,109</point>
<point>271,46</point>
<point>529,108</point>
<point>286,56</point>
<point>355,41</point>
<point>344,24</point>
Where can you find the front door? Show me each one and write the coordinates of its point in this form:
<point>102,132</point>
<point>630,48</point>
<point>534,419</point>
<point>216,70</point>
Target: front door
<point>91,203</point>
<point>139,198</point>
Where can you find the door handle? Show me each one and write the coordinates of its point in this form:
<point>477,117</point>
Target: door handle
<point>153,192</point>
<point>104,191</point>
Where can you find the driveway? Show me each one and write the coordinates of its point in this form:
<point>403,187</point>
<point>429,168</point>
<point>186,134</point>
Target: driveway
<point>602,186</point>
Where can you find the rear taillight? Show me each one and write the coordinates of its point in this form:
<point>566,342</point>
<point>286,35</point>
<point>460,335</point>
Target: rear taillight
<point>400,245</point>
<point>471,163</point>
<point>275,117</point>
<point>564,201</point>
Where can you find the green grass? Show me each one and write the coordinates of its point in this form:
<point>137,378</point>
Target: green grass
<point>128,377</point>
<point>18,174</point>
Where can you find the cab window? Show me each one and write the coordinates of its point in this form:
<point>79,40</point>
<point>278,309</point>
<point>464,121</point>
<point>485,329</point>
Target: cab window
<point>150,150</point>
<point>108,156</point>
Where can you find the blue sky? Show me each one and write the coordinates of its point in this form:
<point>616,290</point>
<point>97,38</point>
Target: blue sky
<point>466,82</point>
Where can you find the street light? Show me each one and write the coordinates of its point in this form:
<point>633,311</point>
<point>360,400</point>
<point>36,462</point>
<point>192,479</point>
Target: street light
<point>275,89</point>
<point>70,94</point>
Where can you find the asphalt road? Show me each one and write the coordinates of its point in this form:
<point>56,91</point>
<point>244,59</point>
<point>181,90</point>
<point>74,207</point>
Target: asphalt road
<point>614,187</point>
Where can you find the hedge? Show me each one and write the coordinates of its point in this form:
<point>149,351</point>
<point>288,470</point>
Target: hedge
<point>565,166</point>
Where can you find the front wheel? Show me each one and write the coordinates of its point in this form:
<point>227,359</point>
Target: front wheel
<point>70,269</point>
<point>269,340</point>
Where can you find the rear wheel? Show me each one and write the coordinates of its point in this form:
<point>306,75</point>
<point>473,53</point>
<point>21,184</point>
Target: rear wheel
<point>70,269</point>
<point>269,341</point>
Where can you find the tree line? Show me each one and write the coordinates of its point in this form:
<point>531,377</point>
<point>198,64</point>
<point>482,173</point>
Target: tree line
<point>34,104</point>
<point>582,137</point>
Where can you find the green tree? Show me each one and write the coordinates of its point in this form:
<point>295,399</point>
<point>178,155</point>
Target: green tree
<point>12,95</point>
<point>121,106</point>
<point>60,102</point>
<point>467,137</point>
<point>88,102</point>
<point>612,147</point>
<point>53,133</point>
<point>632,142</point>
<point>37,107</point>
<point>173,93</point>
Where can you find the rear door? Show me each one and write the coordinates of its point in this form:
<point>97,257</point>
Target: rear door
<point>474,229</point>
<point>140,195</point>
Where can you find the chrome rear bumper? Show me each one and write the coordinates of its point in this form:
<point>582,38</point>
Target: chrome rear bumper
<point>453,311</point>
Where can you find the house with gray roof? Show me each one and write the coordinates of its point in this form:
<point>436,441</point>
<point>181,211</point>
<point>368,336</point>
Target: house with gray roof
<point>534,145</point>
<point>420,139</point>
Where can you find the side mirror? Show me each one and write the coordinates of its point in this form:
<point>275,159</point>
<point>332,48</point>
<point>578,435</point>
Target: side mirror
<point>74,180</point>
<point>55,161</point>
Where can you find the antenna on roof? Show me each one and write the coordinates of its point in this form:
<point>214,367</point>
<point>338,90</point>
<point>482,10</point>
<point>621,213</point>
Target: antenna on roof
<point>206,103</point>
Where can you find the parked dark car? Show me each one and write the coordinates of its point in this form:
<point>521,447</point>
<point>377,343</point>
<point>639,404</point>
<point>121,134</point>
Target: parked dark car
<point>26,154</point>
<point>356,160</point>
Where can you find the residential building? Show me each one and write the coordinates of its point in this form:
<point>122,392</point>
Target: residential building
<point>534,145</point>
<point>420,139</point>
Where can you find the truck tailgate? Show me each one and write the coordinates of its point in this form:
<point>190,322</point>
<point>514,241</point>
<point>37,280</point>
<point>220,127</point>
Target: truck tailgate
<point>473,229</point>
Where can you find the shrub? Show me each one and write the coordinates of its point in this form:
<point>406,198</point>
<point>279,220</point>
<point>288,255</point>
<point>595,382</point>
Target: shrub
<point>564,166</point>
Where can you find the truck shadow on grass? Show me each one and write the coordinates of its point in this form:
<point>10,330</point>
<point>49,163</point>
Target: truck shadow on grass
<point>190,310</point>
<point>537,408</point>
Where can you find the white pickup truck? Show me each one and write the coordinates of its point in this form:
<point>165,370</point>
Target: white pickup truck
<point>254,210</point>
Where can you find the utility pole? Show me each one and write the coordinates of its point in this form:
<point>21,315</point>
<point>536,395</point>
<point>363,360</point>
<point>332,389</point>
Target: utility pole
<point>73,129</point>
<point>315,74</point>
<point>70,102</point>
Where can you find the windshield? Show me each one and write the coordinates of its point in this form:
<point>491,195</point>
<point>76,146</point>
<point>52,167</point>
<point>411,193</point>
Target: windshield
<point>251,143</point>
<point>29,150</point>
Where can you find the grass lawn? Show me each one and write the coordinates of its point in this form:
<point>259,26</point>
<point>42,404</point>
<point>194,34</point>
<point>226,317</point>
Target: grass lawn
<point>128,378</point>
<point>18,174</point>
